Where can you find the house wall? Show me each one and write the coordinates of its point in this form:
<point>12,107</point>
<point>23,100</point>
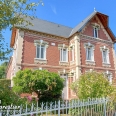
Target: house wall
<point>52,51</point>
<point>9,69</point>
<point>52,55</point>
<point>102,40</point>
<point>25,53</point>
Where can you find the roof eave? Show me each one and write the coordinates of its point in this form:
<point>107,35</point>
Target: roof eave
<point>42,32</point>
<point>13,37</point>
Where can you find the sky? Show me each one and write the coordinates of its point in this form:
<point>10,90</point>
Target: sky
<point>72,12</point>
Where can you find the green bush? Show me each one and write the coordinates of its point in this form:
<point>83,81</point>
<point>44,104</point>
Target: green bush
<point>7,96</point>
<point>92,85</point>
<point>47,83</point>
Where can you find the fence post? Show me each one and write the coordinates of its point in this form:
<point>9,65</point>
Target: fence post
<point>104,107</point>
<point>59,108</point>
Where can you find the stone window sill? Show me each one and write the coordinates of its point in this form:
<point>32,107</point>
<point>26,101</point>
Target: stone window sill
<point>72,62</point>
<point>89,62</point>
<point>106,64</point>
<point>41,61</point>
<point>63,63</point>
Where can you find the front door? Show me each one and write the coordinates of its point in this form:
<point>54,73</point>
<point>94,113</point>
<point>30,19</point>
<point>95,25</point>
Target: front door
<point>65,89</point>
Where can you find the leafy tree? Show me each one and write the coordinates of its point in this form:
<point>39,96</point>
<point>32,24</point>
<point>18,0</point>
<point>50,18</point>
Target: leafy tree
<point>11,12</point>
<point>47,83</point>
<point>93,85</point>
<point>3,67</point>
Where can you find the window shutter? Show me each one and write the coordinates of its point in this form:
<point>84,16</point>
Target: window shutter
<point>44,52</point>
<point>38,51</point>
<point>107,56</point>
<point>72,54</point>
<point>67,55</point>
<point>92,54</point>
<point>103,56</point>
<point>60,54</point>
<point>86,53</point>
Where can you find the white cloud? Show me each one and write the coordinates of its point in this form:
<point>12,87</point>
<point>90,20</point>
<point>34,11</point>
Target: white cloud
<point>53,9</point>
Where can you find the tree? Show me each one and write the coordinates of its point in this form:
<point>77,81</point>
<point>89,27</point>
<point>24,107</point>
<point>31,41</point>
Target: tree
<point>11,12</point>
<point>47,83</point>
<point>93,85</point>
<point>3,67</point>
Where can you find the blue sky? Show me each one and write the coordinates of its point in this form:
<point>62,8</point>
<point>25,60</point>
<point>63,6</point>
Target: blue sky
<point>72,12</point>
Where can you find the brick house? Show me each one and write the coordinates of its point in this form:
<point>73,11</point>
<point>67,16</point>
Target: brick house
<point>64,50</point>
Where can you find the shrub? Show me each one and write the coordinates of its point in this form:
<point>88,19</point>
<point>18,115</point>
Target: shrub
<point>47,83</point>
<point>93,85</point>
<point>7,96</point>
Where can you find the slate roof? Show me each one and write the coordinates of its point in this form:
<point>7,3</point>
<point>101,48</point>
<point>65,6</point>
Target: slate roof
<point>47,27</point>
<point>58,29</point>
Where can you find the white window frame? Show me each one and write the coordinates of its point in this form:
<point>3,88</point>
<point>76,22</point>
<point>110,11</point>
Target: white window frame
<point>95,32</point>
<point>62,55</point>
<point>40,59</point>
<point>91,47</point>
<point>44,51</point>
<point>107,55</point>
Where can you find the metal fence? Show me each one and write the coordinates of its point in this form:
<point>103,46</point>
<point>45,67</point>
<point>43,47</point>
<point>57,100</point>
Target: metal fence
<point>89,107</point>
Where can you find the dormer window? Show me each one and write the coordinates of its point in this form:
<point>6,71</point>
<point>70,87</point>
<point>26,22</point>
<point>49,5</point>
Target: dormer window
<point>95,29</point>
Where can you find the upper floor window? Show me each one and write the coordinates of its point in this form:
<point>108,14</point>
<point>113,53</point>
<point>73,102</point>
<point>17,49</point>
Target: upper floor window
<point>41,52</point>
<point>41,47</point>
<point>95,32</point>
<point>89,52</point>
<point>63,55</point>
<point>105,55</point>
<point>96,28</point>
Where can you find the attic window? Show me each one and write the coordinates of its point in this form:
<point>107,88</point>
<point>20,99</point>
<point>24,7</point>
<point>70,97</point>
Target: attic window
<point>95,32</point>
<point>96,28</point>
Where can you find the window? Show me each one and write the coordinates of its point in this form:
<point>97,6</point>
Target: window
<point>95,29</point>
<point>89,49</point>
<point>105,56</point>
<point>41,47</point>
<point>89,54</point>
<point>109,76</point>
<point>72,54</point>
<point>63,55</point>
<point>40,53</point>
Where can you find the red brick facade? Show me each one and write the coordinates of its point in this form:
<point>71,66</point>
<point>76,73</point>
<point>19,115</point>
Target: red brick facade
<point>53,52</point>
